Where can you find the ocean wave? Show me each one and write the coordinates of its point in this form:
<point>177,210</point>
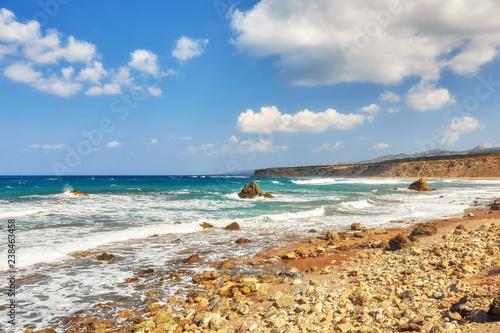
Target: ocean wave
<point>358,204</point>
<point>296,215</point>
<point>315,181</point>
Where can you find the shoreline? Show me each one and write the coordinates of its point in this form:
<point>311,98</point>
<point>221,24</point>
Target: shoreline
<point>329,275</point>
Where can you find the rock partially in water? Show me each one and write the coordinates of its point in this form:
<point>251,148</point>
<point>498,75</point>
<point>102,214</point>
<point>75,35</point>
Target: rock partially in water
<point>233,226</point>
<point>420,185</point>
<point>356,226</point>
<point>242,241</point>
<point>206,225</point>
<point>78,193</point>
<point>106,257</point>
<point>252,191</point>
<point>193,259</point>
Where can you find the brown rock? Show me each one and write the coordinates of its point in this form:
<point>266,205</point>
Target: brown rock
<point>356,226</point>
<point>250,191</point>
<point>233,226</point>
<point>332,236</point>
<point>424,230</point>
<point>206,225</point>
<point>420,185</point>
<point>226,265</point>
<point>399,242</point>
<point>106,257</point>
<point>495,205</point>
<point>495,307</point>
<point>242,241</point>
<point>268,195</point>
<point>193,259</point>
<point>206,276</point>
<point>78,193</point>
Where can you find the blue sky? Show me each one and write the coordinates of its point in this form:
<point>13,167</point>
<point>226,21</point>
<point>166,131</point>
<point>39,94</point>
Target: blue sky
<point>193,87</point>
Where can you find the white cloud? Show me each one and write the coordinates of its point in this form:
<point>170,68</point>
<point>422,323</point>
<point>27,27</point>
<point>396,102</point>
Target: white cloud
<point>457,127</point>
<point>248,145</point>
<point>381,146</point>
<point>389,97</point>
<point>425,96</point>
<point>114,144</point>
<point>320,42</point>
<point>186,138</point>
<point>328,146</point>
<point>372,108</point>
<point>187,48</point>
<point>192,149</point>
<point>35,57</point>
<point>270,119</point>
<point>47,147</point>
<point>393,110</point>
<point>153,141</point>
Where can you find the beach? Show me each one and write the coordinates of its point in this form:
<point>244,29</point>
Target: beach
<point>140,280</point>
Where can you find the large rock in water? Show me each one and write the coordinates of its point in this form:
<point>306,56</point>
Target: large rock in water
<point>251,191</point>
<point>420,185</point>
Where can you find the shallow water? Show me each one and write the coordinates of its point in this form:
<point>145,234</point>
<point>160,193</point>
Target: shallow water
<point>60,234</point>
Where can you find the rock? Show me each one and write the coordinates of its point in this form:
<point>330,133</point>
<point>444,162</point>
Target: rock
<point>495,307</point>
<point>106,257</point>
<point>356,226</point>
<point>345,327</point>
<point>424,230</point>
<point>454,315</point>
<point>464,306</point>
<point>268,195</point>
<point>226,265</point>
<point>420,185</point>
<point>242,241</point>
<point>399,242</point>
<point>233,226</point>
<point>437,329</point>
<point>206,225</point>
<point>479,316</point>
<point>363,298</point>
<point>495,205</point>
<point>332,236</point>
<point>79,193</point>
<point>192,259</point>
<point>289,255</point>
<point>206,276</point>
<point>378,231</point>
<point>250,191</point>
<point>285,301</point>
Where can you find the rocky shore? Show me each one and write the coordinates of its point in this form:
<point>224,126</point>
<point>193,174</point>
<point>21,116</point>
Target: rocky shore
<point>441,276</point>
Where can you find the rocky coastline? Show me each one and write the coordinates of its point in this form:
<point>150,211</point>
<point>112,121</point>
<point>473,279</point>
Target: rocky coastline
<point>441,276</point>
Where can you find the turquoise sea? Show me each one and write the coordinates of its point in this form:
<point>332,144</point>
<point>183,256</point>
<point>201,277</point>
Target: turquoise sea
<point>134,217</point>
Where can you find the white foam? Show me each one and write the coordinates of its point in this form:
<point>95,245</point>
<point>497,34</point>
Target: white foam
<point>289,216</point>
<point>315,181</point>
<point>358,204</point>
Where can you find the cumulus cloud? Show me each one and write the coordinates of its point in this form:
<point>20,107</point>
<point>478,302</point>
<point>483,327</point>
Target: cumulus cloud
<point>372,108</point>
<point>459,126</point>
<point>270,119</point>
<point>248,145</point>
<point>153,141</point>
<point>114,144</point>
<point>321,42</point>
<point>389,97</point>
<point>187,48</point>
<point>37,57</point>
<point>425,96</point>
<point>328,146</point>
<point>381,146</point>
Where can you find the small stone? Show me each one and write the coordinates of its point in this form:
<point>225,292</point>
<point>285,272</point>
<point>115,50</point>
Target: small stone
<point>242,241</point>
<point>363,298</point>
<point>285,301</point>
<point>356,226</point>
<point>464,306</point>
<point>332,236</point>
<point>226,265</point>
<point>206,225</point>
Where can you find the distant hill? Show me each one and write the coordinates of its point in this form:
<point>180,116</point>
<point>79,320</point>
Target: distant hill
<point>431,153</point>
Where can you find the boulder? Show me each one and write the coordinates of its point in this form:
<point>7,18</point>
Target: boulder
<point>424,230</point>
<point>106,257</point>
<point>206,225</point>
<point>420,185</point>
<point>479,316</point>
<point>250,191</point>
<point>332,236</point>
<point>464,306</point>
<point>233,226</point>
<point>226,265</point>
<point>495,205</point>
<point>242,241</point>
<point>495,307</point>
<point>356,226</point>
<point>193,259</point>
<point>206,276</point>
<point>268,195</point>
<point>399,242</point>
<point>79,193</point>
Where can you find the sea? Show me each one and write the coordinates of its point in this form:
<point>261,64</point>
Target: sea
<point>152,223</point>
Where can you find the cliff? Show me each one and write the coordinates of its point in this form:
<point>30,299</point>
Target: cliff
<point>435,167</point>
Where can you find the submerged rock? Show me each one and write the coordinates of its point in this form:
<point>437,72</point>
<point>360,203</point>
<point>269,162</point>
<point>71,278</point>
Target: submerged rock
<point>79,193</point>
<point>206,225</point>
<point>106,257</point>
<point>420,185</point>
<point>193,259</point>
<point>242,241</point>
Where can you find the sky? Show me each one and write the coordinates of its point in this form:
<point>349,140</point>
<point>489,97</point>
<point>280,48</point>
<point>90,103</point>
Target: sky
<point>202,87</point>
